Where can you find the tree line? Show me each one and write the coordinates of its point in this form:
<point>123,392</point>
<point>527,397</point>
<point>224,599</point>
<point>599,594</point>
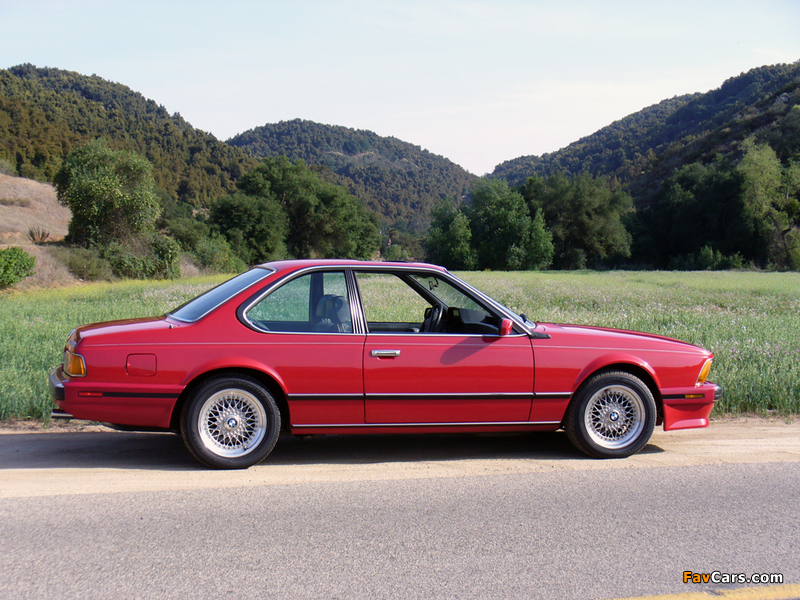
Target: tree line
<point>397,180</point>
<point>727,214</point>
<point>281,209</point>
<point>714,216</point>
<point>558,221</point>
<point>701,181</point>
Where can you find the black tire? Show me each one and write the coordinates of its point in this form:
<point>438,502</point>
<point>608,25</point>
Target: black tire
<point>230,423</point>
<point>611,416</point>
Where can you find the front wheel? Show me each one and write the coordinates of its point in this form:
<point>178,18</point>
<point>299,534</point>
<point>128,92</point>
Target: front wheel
<point>230,423</point>
<point>611,416</point>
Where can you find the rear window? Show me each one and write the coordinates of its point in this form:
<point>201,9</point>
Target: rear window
<point>199,307</point>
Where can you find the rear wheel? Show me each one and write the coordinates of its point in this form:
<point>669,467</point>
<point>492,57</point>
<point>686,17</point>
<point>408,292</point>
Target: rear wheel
<point>230,423</point>
<point>611,416</point>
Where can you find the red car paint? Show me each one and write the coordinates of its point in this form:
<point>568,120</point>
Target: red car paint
<point>141,372</point>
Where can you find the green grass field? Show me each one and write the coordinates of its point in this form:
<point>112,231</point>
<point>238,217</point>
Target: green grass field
<point>750,320</point>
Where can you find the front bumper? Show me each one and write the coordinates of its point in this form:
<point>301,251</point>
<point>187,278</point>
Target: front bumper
<point>685,410</point>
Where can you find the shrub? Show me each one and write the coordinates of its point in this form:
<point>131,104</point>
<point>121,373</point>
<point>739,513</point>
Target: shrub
<point>214,254</point>
<point>38,235</point>
<point>153,256</point>
<point>15,265</point>
<point>87,264</point>
<point>23,202</point>
<point>7,168</point>
<point>707,259</point>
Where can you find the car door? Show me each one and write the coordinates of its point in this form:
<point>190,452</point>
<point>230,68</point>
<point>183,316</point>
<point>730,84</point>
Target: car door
<point>309,343</point>
<point>451,375</point>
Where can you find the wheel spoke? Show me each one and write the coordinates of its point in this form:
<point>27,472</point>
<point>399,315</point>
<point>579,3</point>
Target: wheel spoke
<point>232,422</point>
<point>614,416</point>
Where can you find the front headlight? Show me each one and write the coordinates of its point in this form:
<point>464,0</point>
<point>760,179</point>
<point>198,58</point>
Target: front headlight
<point>704,371</point>
<point>74,365</point>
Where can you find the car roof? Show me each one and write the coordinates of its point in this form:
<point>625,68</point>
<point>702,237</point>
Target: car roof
<point>296,264</point>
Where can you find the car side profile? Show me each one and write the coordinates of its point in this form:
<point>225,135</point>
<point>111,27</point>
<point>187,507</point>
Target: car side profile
<point>311,347</point>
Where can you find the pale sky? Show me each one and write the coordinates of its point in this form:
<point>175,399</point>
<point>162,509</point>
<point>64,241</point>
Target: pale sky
<point>477,82</point>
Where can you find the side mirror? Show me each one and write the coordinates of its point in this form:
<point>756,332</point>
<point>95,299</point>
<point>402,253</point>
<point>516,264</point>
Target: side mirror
<point>506,327</point>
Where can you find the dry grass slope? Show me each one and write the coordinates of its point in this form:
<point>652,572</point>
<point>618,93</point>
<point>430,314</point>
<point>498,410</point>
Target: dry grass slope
<point>26,204</point>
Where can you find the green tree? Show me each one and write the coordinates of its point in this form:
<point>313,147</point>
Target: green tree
<point>449,238</point>
<point>698,206</point>
<point>322,218</point>
<point>503,233</point>
<point>255,226</point>
<point>762,177</point>
<point>770,203</point>
<point>111,194</point>
<point>585,218</point>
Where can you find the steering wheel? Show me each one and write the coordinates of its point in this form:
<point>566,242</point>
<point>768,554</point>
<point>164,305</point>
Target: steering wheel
<point>433,318</point>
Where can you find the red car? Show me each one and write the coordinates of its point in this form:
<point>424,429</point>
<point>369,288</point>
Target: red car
<point>338,346</point>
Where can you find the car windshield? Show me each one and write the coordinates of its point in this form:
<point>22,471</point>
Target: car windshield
<point>199,307</point>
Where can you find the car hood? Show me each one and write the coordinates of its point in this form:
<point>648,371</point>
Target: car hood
<point>583,335</point>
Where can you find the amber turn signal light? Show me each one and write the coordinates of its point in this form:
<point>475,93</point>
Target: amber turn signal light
<point>704,371</point>
<point>74,365</point>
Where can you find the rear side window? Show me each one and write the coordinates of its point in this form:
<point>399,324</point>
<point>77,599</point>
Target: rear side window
<point>313,303</point>
<point>199,307</point>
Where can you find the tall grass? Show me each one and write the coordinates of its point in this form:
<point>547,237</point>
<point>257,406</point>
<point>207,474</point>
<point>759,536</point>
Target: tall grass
<point>751,321</point>
<point>34,327</point>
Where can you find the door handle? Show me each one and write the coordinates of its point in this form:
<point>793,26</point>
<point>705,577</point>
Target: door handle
<point>385,353</point>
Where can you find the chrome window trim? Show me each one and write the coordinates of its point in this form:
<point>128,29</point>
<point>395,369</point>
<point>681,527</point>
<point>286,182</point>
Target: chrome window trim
<point>457,283</point>
<point>442,334</point>
<point>351,270</point>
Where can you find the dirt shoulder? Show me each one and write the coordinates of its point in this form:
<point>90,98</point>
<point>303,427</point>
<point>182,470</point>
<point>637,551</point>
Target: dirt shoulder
<point>80,458</point>
<point>739,423</point>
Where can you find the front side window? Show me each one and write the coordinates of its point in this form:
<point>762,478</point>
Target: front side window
<point>421,303</point>
<point>446,293</point>
<point>312,303</point>
<point>388,299</point>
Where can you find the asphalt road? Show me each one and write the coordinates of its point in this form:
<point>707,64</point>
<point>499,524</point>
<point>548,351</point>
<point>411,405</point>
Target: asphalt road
<point>112,515</point>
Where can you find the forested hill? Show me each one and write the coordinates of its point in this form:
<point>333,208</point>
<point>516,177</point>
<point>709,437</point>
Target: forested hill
<point>398,180</point>
<point>644,148</point>
<point>45,113</point>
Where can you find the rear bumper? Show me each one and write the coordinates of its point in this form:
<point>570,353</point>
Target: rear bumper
<point>129,405</point>
<point>689,409</point>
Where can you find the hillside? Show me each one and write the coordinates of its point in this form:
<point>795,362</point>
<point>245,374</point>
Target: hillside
<point>26,204</point>
<point>612,149</point>
<point>400,181</point>
<point>645,148</point>
<point>679,160</point>
<point>714,177</point>
<point>44,113</point>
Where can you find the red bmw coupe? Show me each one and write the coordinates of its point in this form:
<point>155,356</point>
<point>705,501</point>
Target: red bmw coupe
<point>338,346</point>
